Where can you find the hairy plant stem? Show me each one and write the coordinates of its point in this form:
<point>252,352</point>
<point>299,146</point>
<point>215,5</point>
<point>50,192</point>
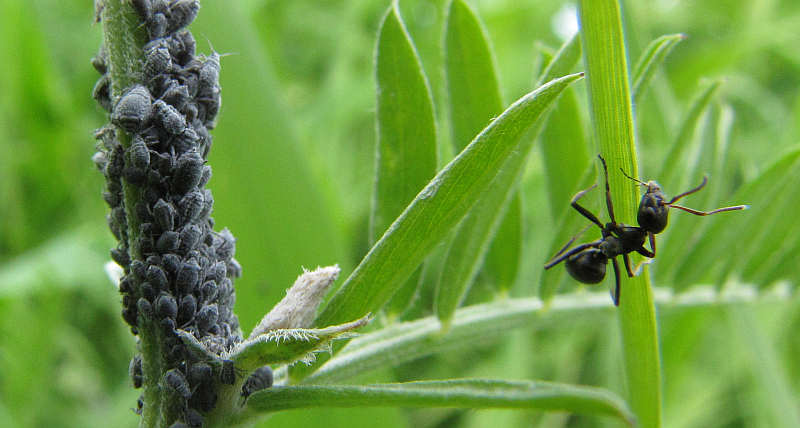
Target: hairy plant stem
<point>124,37</point>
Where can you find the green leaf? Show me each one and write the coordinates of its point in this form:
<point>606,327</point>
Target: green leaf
<point>654,54</point>
<point>612,121</point>
<point>287,346</point>
<point>406,147</point>
<point>768,196</point>
<point>502,261</point>
<point>668,174</point>
<point>472,87</point>
<point>438,208</point>
<point>465,393</point>
<point>474,100</point>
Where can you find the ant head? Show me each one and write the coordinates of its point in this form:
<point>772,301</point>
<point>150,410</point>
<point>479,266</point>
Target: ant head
<point>652,187</point>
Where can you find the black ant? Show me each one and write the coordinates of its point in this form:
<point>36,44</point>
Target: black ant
<point>587,262</point>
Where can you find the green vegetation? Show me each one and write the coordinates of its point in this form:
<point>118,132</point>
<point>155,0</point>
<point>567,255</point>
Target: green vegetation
<point>713,90</point>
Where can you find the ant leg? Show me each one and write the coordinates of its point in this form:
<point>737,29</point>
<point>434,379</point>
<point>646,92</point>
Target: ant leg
<point>689,192</point>
<point>704,213</point>
<point>609,205</point>
<point>615,295</point>
<point>575,250</point>
<point>627,261</point>
<point>634,179</point>
<point>584,212</point>
<point>564,248</point>
<point>652,237</point>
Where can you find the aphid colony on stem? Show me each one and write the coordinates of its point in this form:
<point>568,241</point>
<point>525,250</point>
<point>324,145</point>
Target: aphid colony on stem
<point>587,262</point>
<point>178,270</point>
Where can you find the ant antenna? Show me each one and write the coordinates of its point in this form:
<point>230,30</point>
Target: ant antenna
<point>634,179</point>
<point>689,192</point>
<point>705,213</point>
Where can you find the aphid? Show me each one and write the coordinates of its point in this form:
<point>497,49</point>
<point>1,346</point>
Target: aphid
<point>209,291</point>
<point>126,284</point>
<point>209,74</point>
<point>176,94</point>
<point>135,370</point>
<point>234,268</point>
<point>157,60</point>
<point>168,241</point>
<point>133,109</point>
<point>653,214</point>
<point>129,314</point>
<point>191,205</point>
<point>193,418</point>
<point>144,308</point>
<point>171,263</point>
<point>164,215</point>
<point>206,317</point>
<point>204,398</point>
<point>168,326</point>
<point>142,7</point>
<point>187,277</point>
<point>188,171</point>
<point>168,117</point>
<point>120,256</point>
<point>157,25</point>
<point>187,140</point>
<point>187,309</point>
<point>182,47</point>
<point>139,405</point>
<point>139,154</point>
<point>226,247</point>
<point>190,236</point>
<point>157,277</point>
<point>176,382</point>
<point>147,291</point>
<point>260,379</point>
<point>181,14</point>
<point>166,306</point>
<point>139,269</point>
<point>227,373</point>
<point>102,92</point>
<point>217,271</point>
<point>99,61</point>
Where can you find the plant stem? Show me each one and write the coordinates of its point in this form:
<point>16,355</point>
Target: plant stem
<point>124,37</point>
<point>612,119</point>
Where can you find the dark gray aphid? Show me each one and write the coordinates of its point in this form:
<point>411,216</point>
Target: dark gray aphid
<point>176,382</point>
<point>135,370</point>
<point>176,94</point>
<point>234,268</point>
<point>115,228</point>
<point>193,418</point>
<point>191,205</point>
<point>157,25</point>
<point>166,306</point>
<point>260,379</point>
<point>126,284</point>
<point>188,171</point>
<point>171,263</point>
<point>199,374</point>
<point>182,47</point>
<point>226,246</point>
<point>116,163</point>
<point>138,153</point>
<point>190,236</point>
<point>217,272</point>
<point>157,60</point>
<point>113,199</point>
<point>209,291</point>
<point>143,7</point>
<point>130,314</point>
<point>168,117</point>
<point>133,109</point>
<point>100,160</point>
<point>135,176</point>
<point>168,326</point>
<point>157,277</point>
<point>186,309</point>
<point>181,14</point>
<point>102,92</point>
<point>168,241</point>
<point>100,61</point>
<point>190,110</point>
<point>187,278</point>
<point>205,177</point>
<point>209,73</point>
<point>139,405</point>
<point>206,317</point>
<point>121,256</point>
<point>139,269</point>
<point>144,308</point>
<point>208,204</point>
<point>148,291</point>
<point>187,140</point>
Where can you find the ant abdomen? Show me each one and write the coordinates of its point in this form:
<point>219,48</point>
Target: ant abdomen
<point>588,266</point>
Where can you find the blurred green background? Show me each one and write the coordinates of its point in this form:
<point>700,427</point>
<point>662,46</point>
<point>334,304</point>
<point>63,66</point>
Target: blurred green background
<point>293,161</point>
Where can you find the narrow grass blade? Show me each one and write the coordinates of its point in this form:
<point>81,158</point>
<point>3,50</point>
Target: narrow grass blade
<point>502,261</point>
<point>475,100</point>
<point>612,120</point>
<point>437,208</point>
<point>702,260</point>
<point>654,54</point>
<point>670,170</point>
<point>406,146</point>
<point>464,393</point>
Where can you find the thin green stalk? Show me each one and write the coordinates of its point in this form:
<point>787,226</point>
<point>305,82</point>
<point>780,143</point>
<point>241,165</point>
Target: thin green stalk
<point>612,121</point>
<point>124,38</point>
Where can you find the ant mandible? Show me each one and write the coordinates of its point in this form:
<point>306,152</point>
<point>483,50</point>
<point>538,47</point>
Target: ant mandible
<point>587,262</point>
